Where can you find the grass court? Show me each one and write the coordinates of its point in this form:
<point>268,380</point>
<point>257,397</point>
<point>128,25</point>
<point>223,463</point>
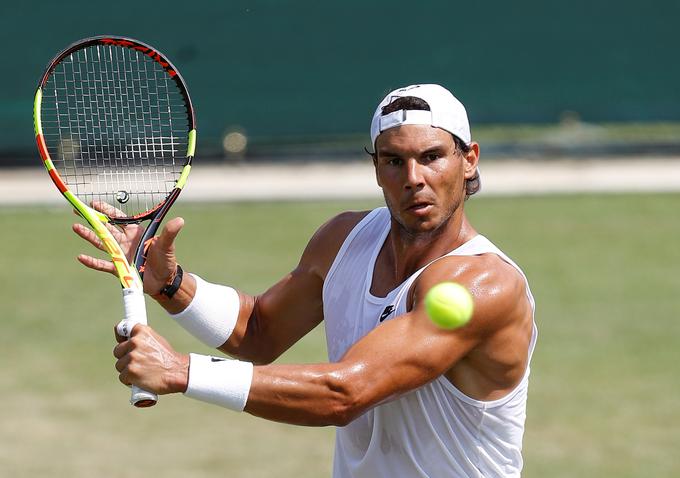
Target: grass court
<point>604,395</point>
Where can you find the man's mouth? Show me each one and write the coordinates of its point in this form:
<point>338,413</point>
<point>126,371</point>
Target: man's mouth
<point>420,207</point>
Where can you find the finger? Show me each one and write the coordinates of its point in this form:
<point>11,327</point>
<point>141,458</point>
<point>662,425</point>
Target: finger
<point>126,327</point>
<point>122,348</point>
<point>169,233</point>
<point>123,376</point>
<point>107,209</point>
<point>97,264</point>
<point>88,234</point>
<point>139,329</point>
<point>122,364</point>
<point>119,338</point>
<point>116,232</point>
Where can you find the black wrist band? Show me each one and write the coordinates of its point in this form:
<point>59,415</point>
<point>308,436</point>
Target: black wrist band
<point>169,289</point>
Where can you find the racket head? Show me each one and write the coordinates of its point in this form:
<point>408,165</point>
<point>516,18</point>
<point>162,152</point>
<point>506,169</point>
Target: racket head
<point>114,123</point>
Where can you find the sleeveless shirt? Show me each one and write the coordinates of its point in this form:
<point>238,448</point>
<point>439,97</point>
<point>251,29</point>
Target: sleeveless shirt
<point>434,430</point>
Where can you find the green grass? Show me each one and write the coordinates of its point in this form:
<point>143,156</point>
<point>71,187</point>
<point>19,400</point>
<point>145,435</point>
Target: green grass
<point>605,392</point>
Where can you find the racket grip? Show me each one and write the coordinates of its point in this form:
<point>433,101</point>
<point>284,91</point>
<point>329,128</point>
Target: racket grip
<point>140,398</point>
<point>135,313</point>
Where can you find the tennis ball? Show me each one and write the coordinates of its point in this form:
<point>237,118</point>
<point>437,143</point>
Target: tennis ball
<point>449,305</point>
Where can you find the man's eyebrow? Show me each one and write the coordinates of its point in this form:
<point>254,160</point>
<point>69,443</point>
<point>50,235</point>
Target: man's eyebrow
<point>386,152</point>
<point>437,148</point>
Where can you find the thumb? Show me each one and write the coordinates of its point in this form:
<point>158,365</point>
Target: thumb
<point>169,233</point>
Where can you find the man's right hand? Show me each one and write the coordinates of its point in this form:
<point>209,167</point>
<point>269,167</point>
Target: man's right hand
<point>127,236</point>
<point>161,263</point>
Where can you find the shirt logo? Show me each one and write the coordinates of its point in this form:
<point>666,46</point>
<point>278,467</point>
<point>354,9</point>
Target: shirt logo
<point>388,310</point>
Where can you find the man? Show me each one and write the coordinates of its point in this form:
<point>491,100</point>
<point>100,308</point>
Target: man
<point>408,398</point>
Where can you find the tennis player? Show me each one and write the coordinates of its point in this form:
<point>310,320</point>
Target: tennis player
<point>408,398</point>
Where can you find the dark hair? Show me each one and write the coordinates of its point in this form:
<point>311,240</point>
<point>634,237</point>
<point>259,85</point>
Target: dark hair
<point>413,103</point>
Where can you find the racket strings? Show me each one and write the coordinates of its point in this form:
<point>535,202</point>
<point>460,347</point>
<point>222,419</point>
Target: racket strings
<point>116,126</point>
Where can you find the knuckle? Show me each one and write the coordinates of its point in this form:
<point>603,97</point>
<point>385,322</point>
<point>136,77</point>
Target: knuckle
<point>139,331</point>
<point>130,368</point>
<point>133,370</point>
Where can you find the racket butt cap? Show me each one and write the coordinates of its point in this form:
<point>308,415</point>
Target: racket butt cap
<point>145,403</point>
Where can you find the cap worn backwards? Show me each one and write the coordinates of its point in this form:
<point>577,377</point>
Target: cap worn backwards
<point>446,112</point>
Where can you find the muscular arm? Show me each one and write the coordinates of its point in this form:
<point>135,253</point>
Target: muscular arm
<point>402,354</point>
<point>485,359</point>
<point>268,324</point>
<point>272,322</point>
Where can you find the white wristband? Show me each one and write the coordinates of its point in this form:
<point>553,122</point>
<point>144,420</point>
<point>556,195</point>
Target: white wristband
<point>212,314</point>
<point>219,381</point>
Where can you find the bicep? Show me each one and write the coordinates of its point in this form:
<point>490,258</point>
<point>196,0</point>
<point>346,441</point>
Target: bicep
<point>403,354</point>
<point>410,350</point>
<point>394,358</point>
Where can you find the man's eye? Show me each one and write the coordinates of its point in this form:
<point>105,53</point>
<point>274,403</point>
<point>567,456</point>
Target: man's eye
<point>433,156</point>
<point>394,161</point>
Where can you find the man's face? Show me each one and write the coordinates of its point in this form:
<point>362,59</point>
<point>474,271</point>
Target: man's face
<point>422,175</point>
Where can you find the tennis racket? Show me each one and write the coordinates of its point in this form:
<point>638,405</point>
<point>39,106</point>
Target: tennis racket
<point>114,125</point>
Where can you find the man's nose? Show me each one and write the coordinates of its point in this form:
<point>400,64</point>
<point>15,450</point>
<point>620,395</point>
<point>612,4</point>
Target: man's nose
<point>414,174</point>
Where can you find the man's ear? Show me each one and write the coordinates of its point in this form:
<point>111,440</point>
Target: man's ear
<point>471,159</point>
<point>374,155</point>
<point>375,168</point>
<point>374,158</point>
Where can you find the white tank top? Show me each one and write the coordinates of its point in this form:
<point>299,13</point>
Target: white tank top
<point>433,431</point>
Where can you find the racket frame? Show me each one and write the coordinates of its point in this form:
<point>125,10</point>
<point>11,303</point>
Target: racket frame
<point>130,277</point>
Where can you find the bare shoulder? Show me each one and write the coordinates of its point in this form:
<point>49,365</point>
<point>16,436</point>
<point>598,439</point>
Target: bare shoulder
<point>500,331</point>
<point>498,288</point>
<point>328,239</point>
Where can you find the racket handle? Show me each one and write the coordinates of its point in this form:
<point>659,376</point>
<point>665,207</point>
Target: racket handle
<point>140,398</point>
<point>135,313</point>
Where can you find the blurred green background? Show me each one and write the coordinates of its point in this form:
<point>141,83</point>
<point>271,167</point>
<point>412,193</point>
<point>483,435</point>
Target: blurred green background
<point>303,76</point>
<point>300,79</point>
<point>604,395</point>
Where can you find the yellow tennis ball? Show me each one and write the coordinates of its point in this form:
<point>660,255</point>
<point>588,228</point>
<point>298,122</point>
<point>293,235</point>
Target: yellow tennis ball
<point>449,305</point>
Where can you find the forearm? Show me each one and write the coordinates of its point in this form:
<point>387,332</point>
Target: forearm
<point>391,360</point>
<point>217,315</point>
<point>310,395</point>
<point>223,318</point>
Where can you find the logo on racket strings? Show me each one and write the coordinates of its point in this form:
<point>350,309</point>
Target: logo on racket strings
<point>122,196</point>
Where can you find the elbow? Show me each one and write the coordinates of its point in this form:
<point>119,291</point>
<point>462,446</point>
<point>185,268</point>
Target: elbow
<point>258,357</point>
<point>348,399</point>
<point>343,419</point>
<point>258,344</point>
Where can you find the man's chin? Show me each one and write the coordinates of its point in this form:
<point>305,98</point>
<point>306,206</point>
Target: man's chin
<point>420,227</point>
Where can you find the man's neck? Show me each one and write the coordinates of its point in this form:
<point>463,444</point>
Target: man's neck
<point>404,252</point>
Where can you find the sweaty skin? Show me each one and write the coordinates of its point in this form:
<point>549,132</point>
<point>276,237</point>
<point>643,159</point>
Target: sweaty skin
<point>422,175</point>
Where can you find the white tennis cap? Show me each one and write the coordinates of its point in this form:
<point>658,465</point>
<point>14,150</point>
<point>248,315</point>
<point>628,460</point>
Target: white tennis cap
<point>446,112</point>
